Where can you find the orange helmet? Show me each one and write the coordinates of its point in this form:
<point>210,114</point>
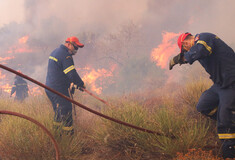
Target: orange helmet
<point>181,39</point>
<point>74,40</point>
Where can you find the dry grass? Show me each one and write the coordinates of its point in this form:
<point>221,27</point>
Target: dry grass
<point>96,138</point>
<point>20,138</point>
<point>196,154</point>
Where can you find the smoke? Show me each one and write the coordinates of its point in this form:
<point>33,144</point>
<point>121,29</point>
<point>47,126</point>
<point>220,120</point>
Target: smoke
<point>122,33</point>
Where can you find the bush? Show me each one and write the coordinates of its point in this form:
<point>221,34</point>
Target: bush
<point>120,138</point>
<point>189,133</point>
<point>191,92</point>
<point>23,139</point>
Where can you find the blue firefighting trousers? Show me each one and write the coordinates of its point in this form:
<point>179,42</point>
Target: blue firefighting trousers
<point>219,104</point>
<point>63,112</point>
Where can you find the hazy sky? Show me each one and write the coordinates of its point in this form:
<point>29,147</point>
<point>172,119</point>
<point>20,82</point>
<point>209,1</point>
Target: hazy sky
<point>11,10</point>
<point>105,15</point>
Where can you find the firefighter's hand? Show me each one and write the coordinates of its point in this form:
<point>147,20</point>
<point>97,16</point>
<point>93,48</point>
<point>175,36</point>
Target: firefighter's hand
<point>82,88</point>
<point>171,64</point>
<point>72,90</point>
<point>178,59</point>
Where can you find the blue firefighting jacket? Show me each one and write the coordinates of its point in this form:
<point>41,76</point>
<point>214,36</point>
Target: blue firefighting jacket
<point>20,87</point>
<point>61,71</point>
<point>215,56</point>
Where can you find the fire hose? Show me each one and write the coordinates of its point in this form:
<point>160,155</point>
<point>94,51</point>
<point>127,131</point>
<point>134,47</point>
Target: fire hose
<point>38,124</point>
<point>96,97</point>
<point>83,106</point>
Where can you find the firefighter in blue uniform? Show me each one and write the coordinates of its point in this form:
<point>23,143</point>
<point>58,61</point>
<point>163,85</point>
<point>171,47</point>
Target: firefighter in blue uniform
<point>218,102</point>
<point>21,88</point>
<point>61,74</point>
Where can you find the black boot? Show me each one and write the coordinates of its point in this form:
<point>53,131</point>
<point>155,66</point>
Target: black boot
<point>228,149</point>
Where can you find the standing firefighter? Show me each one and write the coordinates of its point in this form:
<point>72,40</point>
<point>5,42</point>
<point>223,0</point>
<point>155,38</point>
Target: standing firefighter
<point>60,75</point>
<point>218,102</point>
<point>21,88</point>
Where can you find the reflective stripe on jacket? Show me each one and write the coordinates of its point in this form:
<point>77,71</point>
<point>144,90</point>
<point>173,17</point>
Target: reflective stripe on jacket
<point>215,56</point>
<point>61,71</point>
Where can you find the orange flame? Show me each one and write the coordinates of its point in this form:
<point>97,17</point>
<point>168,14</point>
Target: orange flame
<point>21,47</point>
<point>23,40</point>
<point>35,91</point>
<point>92,77</point>
<point>15,49</point>
<point>6,58</point>
<point>6,88</point>
<point>165,50</point>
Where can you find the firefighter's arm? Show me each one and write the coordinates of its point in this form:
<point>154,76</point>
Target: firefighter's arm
<point>13,89</point>
<point>74,86</point>
<point>178,59</point>
<point>200,50</point>
<point>82,87</point>
<point>71,73</point>
<point>75,79</point>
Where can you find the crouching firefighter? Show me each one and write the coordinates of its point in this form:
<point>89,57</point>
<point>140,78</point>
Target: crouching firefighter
<point>218,102</point>
<point>60,74</point>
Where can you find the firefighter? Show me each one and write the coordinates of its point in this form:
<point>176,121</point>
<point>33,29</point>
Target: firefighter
<point>218,102</point>
<point>21,88</point>
<point>61,74</point>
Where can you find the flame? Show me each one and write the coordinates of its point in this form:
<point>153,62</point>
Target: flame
<point>95,78</point>
<point>21,46</point>
<point>6,88</point>
<point>23,40</point>
<point>35,91</point>
<point>165,50</point>
<point>15,49</point>
<point>6,58</point>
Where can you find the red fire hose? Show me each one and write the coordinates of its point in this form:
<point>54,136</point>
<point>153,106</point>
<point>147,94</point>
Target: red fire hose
<point>38,124</point>
<point>83,106</point>
<point>103,101</point>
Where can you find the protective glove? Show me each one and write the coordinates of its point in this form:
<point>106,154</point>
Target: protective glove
<point>72,90</point>
<point>178,59</point>
<point>82,87</point>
